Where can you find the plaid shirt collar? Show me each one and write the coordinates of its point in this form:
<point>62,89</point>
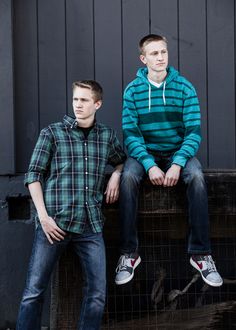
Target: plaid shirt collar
<point>72,122</point>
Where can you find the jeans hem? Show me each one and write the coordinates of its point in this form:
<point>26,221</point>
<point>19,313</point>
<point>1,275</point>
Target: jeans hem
<point>198,252</point>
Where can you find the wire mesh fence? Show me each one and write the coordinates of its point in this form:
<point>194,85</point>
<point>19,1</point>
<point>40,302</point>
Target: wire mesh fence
<point>166,293</point>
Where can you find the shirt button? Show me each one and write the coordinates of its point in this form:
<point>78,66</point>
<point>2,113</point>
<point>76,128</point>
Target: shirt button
<point>86,188</point>
<point>85,143</point>
<point>86,203</point>
<point>86,173</point>
<point>86,158</point>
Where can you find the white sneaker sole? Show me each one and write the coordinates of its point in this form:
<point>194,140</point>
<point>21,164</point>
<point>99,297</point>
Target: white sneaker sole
<point>204,279</point>
<point>126,280</point>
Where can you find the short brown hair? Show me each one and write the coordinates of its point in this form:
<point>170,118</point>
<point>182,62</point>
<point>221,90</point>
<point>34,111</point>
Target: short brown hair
<point>93,85</point>
<point>149,38</point>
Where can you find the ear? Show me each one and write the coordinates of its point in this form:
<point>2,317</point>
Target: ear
<point>143,59</point>
<point>98,104</point>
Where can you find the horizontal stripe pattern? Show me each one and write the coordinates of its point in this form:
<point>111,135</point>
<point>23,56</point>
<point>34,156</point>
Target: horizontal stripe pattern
<point>166,126</point>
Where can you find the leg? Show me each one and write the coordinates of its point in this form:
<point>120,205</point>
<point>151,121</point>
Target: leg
<point>43,258</point>
<point>132,174</point>
<point>199,242</point>
<point>91,251</point>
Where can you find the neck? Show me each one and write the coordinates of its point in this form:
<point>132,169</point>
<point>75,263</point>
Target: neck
<point>85,123</point>
<point>158,77</point>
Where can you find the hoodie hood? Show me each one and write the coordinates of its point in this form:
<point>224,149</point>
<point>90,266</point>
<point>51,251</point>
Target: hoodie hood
<point>142,73</point>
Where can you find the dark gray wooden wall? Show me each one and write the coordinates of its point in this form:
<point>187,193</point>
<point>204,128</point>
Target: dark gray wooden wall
<point>56,42</point>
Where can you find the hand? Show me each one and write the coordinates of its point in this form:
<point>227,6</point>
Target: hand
<point>51,230</point>
<point>156,175</point>
<point>172,176</point>
<point>113,185</point>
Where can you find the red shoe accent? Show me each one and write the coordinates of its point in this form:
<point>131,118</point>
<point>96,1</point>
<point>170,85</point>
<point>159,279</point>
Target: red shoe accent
<point>199,264</point>
<point>133,262</point>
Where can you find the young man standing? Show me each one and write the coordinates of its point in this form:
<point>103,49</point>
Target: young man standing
<point>161,125</point>
<point>66,179</point>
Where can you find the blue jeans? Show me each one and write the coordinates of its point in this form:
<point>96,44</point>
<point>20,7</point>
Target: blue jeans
<point>191,174</point>
<point>91,251</point>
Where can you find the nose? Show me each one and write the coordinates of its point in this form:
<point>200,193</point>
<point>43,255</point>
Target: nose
<point>160,57</point>
<point>78,103</point>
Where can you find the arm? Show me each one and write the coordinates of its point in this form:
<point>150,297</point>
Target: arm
<point>116,159</point>
<point>34,179</point>
<point>112,189</point>
<point>192,123</point>
<point>133,137</point>
<point>49,226</point>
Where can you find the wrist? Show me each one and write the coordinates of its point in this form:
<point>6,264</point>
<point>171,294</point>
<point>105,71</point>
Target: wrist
<point>42,217</point>
<point>177,166</point>
<point>117,172</point>
<point>151,168</point>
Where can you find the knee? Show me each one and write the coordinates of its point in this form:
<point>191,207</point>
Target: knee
<point>32,294</point>
<point>130,178</point>
<point>197,180</point>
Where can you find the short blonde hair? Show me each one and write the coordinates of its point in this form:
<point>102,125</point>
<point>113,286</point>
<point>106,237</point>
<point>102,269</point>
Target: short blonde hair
<point>149,38</point>
<point>93,85</point>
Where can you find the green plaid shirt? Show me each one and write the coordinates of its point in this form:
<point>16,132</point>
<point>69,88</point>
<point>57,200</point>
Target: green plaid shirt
<point>71,169</point>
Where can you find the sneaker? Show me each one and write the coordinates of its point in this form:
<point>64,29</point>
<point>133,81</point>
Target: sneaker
<point>206,267</point>
<point>125,267</point>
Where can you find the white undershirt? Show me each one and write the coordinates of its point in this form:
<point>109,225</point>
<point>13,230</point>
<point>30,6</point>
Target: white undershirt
<point>155,83</point>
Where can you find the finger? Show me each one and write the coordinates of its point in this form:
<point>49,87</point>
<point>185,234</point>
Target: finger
<point>49,238</point>
<point>168,182</point>
<point>116,197</point>
<point>56,236</point>
<point>175,182</point>
<point>159,181</point>
<point>59,230</point>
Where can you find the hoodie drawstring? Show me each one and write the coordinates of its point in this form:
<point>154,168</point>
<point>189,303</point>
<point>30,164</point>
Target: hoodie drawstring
<point>149,98</point>
<point>163,93</point>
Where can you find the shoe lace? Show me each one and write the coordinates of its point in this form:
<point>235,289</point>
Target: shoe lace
<point>122,263</point>
<point>210,264</point>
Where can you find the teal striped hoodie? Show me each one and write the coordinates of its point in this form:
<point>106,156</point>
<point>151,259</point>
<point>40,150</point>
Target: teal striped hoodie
<point>163,119</point>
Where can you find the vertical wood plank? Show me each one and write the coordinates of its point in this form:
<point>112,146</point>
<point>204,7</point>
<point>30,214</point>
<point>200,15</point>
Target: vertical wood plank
<point>164,21</point>
<point>52,61</point>
<point>192,58</point>
<point>135,25</point>
<point>108,60</point>
<point>221,83</point>
<point>80,38</point>
<point>7,164</point>
<point>26,81</point>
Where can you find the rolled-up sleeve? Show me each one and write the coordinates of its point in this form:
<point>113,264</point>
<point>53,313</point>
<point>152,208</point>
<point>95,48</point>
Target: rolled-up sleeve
<point>40,159</point>
<point>116,155</point>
